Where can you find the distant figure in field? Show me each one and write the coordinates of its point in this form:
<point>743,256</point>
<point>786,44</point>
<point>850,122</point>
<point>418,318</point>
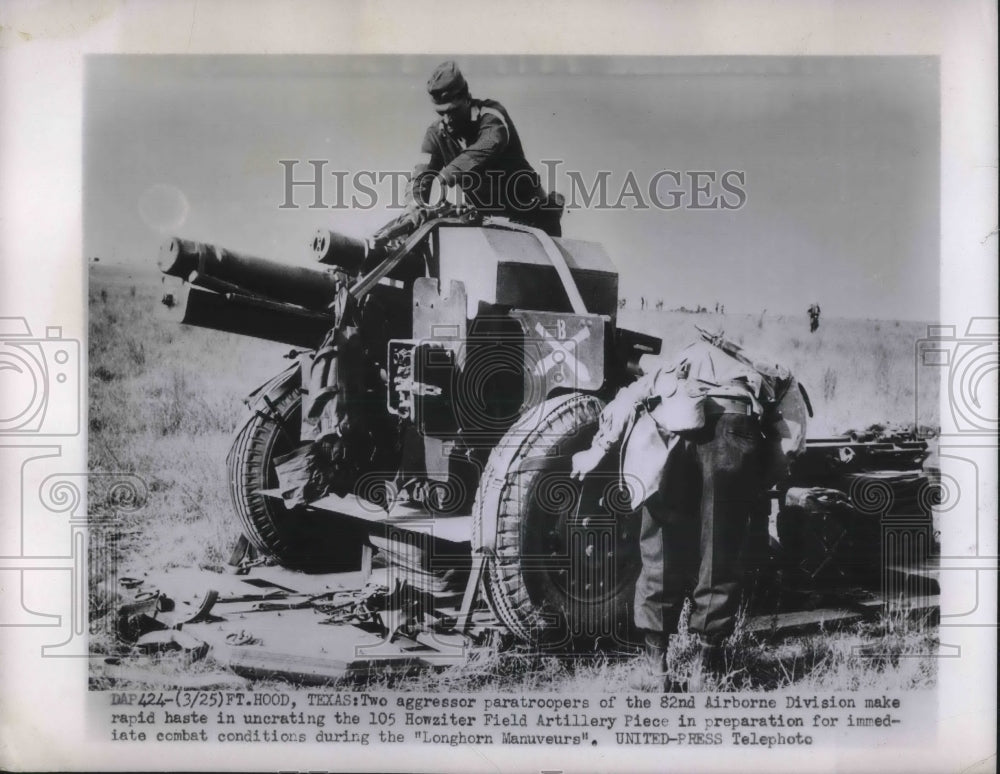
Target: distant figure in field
<point>659,305</point>
<point>642,302</point>
<point>813,317</point>
<point>722,308</point>
<point>622,302</point>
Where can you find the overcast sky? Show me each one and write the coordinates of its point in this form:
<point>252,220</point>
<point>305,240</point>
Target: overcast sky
<point>840,158</point>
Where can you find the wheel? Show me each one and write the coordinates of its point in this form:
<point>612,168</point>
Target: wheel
<point>565,555</point>
<point>300,538</point>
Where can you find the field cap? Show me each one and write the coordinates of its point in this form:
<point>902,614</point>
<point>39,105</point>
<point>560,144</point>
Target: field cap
<point>447,83</point>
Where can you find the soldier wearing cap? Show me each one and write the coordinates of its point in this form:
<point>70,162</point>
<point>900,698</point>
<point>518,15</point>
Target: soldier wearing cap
<point>475,146</point>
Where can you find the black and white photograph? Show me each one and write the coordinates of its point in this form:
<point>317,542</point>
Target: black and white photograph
<point>558,408</point>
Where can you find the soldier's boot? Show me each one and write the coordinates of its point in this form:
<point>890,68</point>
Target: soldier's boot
<point>650,670</point>
<point>714,660</point>
<point>716,657</point>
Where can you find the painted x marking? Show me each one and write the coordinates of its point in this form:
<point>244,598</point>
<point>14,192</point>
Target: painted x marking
<point>562,353</point>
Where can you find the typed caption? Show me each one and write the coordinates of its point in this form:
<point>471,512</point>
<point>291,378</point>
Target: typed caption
<point>760,721</point>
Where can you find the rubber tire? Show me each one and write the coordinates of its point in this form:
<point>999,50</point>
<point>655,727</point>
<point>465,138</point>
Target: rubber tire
<point>530,598</point>
<point>299,538</point>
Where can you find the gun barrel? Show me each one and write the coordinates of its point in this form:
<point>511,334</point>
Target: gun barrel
<point>254,317</point>
<point>335,249</point>
<point>215,267</point>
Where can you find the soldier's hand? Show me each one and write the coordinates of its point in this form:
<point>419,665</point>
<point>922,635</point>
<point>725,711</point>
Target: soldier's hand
<point>416,214</point>
<point>584,462</point>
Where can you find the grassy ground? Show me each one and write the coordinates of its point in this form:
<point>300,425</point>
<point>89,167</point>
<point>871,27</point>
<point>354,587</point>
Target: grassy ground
<point>164,401</point>
<point>862,657</point>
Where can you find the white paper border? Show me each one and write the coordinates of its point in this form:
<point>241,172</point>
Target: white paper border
<point>43,278</point>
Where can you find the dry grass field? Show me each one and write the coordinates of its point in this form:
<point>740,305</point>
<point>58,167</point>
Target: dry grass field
<point>164,401</point>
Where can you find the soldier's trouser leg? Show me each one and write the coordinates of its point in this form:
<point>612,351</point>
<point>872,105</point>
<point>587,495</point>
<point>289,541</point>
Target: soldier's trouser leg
<point>648,607</point>
<point>551,222</point>
<point>668,544</point>
<point>727,452</point>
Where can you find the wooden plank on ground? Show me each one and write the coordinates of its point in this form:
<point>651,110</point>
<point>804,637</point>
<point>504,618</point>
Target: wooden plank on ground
<point>329,669</point>
<point>310,583</point>
<point>188,587</point>
<point>294,645</point>
<point>912,606</point>
<point>455,529</point>
<point>803,621</point>
<point>925,577</point>
<point>305,670</point>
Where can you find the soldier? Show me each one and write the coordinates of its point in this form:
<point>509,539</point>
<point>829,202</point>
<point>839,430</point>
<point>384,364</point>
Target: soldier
<point>813,317</point>
<point>701,439</point>
<point>475,146</point>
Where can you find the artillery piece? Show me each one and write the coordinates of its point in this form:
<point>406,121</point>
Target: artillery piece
<point>448,375</point>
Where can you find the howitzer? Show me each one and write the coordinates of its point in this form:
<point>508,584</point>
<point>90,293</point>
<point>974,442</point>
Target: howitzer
<point>430,365</point>
<point>452,371</point>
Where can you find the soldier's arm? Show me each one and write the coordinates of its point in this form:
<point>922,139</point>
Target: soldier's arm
<point>615,416</point>
<point>611,425</point>
<point>430,163</point>
<point>491,141</point>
